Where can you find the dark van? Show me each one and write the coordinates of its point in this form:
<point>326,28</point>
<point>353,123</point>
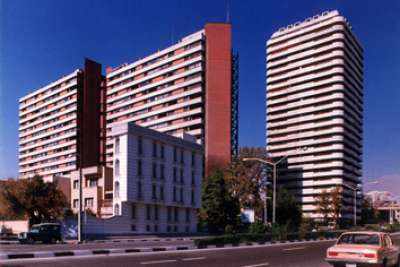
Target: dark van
<point>44,232</point>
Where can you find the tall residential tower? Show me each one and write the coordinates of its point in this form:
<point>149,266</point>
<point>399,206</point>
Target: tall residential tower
<point>315,106</point>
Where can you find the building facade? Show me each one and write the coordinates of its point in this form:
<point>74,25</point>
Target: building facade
<point>189,87</point>
<point>315,107</point>
<point>157,179</point>
<point>59,124</point>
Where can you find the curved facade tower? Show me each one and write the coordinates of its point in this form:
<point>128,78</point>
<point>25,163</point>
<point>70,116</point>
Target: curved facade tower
<point>315,106</point>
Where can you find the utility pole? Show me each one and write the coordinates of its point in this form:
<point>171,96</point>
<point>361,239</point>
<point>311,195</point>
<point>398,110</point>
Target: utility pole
<point>80,207</point>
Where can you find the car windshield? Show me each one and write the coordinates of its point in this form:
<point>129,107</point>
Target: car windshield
<point>35,229</point>
<point>362,239</point>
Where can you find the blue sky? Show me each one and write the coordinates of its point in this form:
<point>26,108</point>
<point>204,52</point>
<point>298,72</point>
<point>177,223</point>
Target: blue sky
<point>43,40</point>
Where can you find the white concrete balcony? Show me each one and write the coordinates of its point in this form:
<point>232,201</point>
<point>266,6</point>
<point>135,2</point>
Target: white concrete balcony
<point>118,101</point>
<point>42,143</point>
<point>148,124</point>
<point>53,132</point>
<point>59,98</point>
<point>71,110</point>
<point>58,170</point>
<point>306,78</point>
<point>310,150</point>
<point>307,142</point>
<point>154,75</point>
<point>307,45</point>
<point>306,94</point>
<point>306,54</point>
<point>309,101</point>
<point>23,156</point>
<point>304,38</point>
<point>156,55</point>
<point>297,112</point>
<point>24,168</point>
<point>156,103</point>
<point>155,84</point>
<point>309,118</point>
<point>296,135</point>
<point>304,70</point>
<point>314,24</point>
<point>307,61</point>
<point>153,66</point>
<point>337,78</point>
<point>70,153</point>
<point>46,128</point>
<point>316,166</point>
<point>43,89</point>
<point>179,125</point>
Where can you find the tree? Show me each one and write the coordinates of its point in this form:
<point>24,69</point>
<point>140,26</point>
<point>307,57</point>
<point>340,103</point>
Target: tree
<point>288,212</point>
<point>329,205</point>
<point>246,180</point>
<point>368,213</point>
<point>34,199</point>
<point>219,207</point>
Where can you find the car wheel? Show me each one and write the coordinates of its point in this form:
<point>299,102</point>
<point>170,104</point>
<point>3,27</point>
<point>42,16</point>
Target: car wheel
<point>30,241</point>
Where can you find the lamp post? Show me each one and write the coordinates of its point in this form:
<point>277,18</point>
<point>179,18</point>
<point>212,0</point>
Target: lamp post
<point>273,164</point>
<point>80,207</point>
<point>355,190</point>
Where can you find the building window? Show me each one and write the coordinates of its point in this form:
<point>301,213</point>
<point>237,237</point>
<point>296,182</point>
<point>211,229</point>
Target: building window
<point>182,156</point>
<point>169,228</point>
<point>155,228</point>
<point>175,175</point>
<point>161,192</point>
<point>116,189</point>
<point>175,228</point>
<point>140,146</point>
<point>139,168</point>
<point>154,171</point>
<point>89,202</point>
<point>162,174</point>
<point>154,149</point>
<point>76,184</point>
<point>176,214</point>
<point>117,167</point>
<point>174,194</point>
<point>156,212</point>
<point>193,159</point>
<point>76,203</point>
<point>193,179</point>
<point>148,228</point>
<point>116,209</point>
<point>92,182</point>
<point>154,192</point>
<point>133,211</point>
<point>116,145</point>
<point>192,197</point>
<point>169,213</point>
<point>175,154</point>
<point>148,212</point>
<point>187,215</point>
<point>181,176</point>
<point>162,151</point>
<point>139,185</point>
<point>133,228</point>
<point>181,195</point>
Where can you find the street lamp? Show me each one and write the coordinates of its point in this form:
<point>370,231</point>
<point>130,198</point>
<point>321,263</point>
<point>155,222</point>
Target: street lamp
<point>273,164</point>
<point>355,190</point>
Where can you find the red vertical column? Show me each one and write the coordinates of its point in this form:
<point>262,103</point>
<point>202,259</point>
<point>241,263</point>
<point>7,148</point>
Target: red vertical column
<point>218,75</point>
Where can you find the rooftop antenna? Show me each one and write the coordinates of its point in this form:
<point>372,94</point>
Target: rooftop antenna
<point>228,15</point>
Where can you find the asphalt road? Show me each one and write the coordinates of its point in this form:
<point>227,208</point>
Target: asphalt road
<point>309,254</point>
<point>18,248</point>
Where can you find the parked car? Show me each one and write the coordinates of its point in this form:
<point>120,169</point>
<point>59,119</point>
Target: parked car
<point>44,232</point>
<point>4,231</point>
<point>358,249</point>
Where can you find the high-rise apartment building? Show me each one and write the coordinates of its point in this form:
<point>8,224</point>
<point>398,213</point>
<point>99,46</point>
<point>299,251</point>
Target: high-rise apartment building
<point>315,106</point>
<point>59,124</point>
<point>188,87</point>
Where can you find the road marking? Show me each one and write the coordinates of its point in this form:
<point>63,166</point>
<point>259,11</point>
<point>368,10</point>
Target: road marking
<point>156,262</point>
<point>295,248</point>
<point>257,265</point>
<point>193,259</point>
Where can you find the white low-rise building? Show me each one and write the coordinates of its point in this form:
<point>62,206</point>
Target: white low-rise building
<point>157,179</point>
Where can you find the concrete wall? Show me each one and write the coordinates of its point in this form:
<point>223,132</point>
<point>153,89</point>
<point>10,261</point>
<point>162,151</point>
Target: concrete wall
<point>15,226</point>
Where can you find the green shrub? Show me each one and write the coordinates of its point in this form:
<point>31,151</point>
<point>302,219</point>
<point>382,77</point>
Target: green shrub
<point>258,228</point>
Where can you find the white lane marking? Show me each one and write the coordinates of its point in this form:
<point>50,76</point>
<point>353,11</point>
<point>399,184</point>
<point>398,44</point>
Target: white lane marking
<point>257,265</point>
<point>156,262</point>
<point>193,259</point>
<point>295,248</point>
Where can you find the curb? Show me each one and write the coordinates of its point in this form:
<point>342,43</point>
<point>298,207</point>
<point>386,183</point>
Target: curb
<point>67,253</point>
<point>72,253</point>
